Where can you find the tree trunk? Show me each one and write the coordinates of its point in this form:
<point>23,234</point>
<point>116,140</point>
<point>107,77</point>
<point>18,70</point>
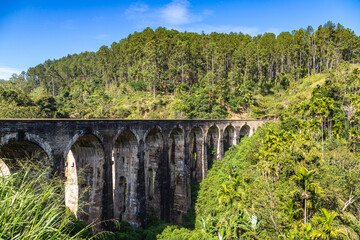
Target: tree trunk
<point>305,211</point>
<point>314,54</point>
<point>53,87</point>
<point>322,137</point>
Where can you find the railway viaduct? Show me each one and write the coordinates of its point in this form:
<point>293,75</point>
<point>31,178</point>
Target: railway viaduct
<point>123,169</point>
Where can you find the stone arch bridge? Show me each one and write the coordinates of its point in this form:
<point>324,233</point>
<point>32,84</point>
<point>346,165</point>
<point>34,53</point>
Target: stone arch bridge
<point>123,169</point>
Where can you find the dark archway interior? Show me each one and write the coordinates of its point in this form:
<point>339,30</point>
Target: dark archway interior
<point>178,180</point>
<point>196,154</point>
<point>22,153</point>
<point>84,171</point>
<point>154,156</point>
<point>212,145</point>
<point>228,138</point>
<point>125,168</point>
<point>176,154</point>
<point>244,131</point>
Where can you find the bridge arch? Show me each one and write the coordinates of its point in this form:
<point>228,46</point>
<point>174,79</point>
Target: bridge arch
<point>196,158</point>
<point>84,172</point>
<point>176,154</point>
<point>178,183</point>
<point>17,153</point>
<point>229,137</point>
<point>212,145</point>
<point>151,130</point>
<point>245,130</point>
<point>28,137</point>
<point>125,168</point>
<point>80,134</point>
<point>153,159</point>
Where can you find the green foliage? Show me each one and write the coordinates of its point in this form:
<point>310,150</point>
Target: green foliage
<point>31,206</point>
<point>138,85</point>
<point>189,218</point>
<point>209,76</point>
<point>294,179</point>
<point>47,103</point>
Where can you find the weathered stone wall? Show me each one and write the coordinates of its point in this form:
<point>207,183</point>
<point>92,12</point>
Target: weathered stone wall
<point>124,169</point>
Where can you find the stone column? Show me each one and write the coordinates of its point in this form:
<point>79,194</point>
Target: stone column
<point>237,135</point>
<point>204,157</point>
<point>187,173</point>
<point>220,148</point>
<point>141,196</point>
<point>107,200</point>
<point>166,194</point>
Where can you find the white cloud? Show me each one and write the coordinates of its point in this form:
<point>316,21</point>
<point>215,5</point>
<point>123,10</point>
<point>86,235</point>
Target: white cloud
<point>6,72</point>
<point>140,15</point>
<point>137,8</point>
<point>176,12</point>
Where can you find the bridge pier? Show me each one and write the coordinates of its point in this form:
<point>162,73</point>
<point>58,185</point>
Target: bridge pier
<point>107,193</point>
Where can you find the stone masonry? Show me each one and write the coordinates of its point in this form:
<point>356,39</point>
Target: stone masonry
<point>124,169</point>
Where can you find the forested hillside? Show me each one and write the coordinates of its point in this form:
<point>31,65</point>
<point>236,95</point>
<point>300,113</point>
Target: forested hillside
<point>169,74</point>
<point>297,178</point>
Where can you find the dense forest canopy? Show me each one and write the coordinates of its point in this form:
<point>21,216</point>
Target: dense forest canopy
<point>190,75</point>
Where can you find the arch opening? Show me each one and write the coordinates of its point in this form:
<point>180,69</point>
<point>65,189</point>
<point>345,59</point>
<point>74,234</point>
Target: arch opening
<point>124,172</point>
<point>154,147</point>
<point>177,173</point>
<point>196,154</point>
<point>229,138</point>
<point>19,154</point>
<point>212,145</point>
<point>84,172</point>
<point>176,155</point>
<point>244,131</point>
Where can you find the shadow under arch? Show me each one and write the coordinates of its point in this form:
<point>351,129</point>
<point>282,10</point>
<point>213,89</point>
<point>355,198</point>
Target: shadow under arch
<point>84,172</point>
<point>15,155</point>
<point>176,154</point>
<point>153,159</point>
<point>124,172</point>
<point>244,131</point>
<point>212,145</point>
<point>229,137</point>
<point>196,154</point>
<point>178,180</point>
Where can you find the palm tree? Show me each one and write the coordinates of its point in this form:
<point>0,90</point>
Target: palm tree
<point>230,192</point>
<point>303,178</point>
<point>327,230</point>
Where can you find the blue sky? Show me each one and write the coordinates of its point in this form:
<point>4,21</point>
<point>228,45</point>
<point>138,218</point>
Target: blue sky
<point>33,31</point>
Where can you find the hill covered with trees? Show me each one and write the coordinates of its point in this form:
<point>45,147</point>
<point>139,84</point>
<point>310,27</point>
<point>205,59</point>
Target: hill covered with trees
<point>293,179</point>
<point>169,74</point>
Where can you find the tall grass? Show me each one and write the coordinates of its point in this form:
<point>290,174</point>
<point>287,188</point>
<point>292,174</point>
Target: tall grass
<point>32,206</point>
